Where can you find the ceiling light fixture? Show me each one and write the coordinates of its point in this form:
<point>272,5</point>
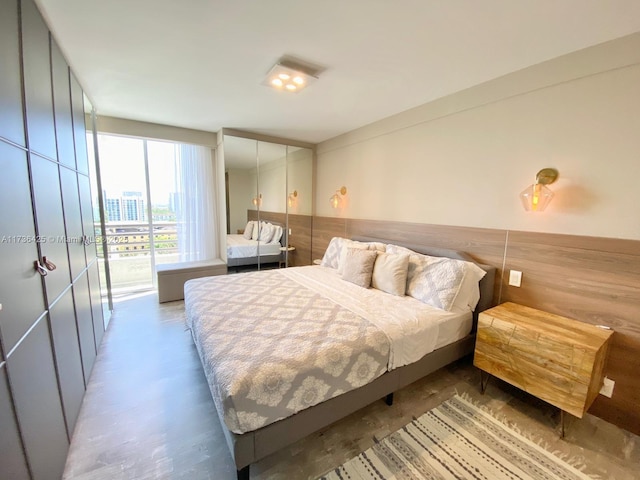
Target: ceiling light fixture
<point>289,77</point>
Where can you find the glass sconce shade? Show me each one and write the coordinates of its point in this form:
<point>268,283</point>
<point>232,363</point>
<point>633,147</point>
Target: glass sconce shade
<point>336,199</point>
<point>536,197</point>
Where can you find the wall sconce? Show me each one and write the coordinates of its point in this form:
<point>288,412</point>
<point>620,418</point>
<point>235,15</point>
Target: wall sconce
<point>257,201</point>
<point>292,199</point>
<point>336,198</point>
<point>536,197</point>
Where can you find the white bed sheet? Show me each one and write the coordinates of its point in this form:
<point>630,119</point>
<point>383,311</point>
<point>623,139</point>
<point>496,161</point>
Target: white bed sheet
<point>413,328</point>
<point>240,247</point>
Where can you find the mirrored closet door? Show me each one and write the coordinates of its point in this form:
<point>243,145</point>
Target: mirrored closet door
<point>269,184</point>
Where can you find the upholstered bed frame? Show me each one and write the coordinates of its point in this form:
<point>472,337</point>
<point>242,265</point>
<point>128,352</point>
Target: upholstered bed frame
<point>250,447</point>
<point>264,259</point>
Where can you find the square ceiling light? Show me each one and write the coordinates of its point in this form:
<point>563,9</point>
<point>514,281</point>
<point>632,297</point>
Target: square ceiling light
<point>288,78</point>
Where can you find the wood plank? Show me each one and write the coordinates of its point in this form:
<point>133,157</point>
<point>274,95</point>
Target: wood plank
<point>300,226</point>
<point>324,229</point>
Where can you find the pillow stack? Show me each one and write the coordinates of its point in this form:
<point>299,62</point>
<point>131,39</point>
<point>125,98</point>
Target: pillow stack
<point>441,282</point>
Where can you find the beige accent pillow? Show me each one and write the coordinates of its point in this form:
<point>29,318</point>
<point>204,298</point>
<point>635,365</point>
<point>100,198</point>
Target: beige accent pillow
<point>390,273</point>
<point>346,244</point>
<point>358,266</point>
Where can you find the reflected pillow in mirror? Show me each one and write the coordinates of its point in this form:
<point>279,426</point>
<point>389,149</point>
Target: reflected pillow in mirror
<point>248,230</point>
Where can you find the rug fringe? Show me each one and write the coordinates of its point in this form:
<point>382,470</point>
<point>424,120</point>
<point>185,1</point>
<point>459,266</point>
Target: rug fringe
<point>576,461</point>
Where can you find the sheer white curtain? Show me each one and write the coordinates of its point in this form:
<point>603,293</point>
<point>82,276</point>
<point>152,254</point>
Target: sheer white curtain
<point>196,206</point>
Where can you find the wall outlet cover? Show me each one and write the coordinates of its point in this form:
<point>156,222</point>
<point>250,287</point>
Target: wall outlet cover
<point>515,278</point>
<point>607,387</point>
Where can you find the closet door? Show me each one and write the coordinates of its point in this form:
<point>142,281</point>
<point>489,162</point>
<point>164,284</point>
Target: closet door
<point>73,220</point>
<point>35,390</point>
<point>68,359</point>
<point>62,107</point>
<point>79,127</point>
<point>11,120</point>
<point>14,465</point>
<point>49,214</point>
<point>84,322</point>
<point>37,81</point>
<point>20,284</point>
<point>87,218</point>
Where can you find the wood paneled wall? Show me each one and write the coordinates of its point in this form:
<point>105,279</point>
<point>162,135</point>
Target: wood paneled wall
<point>591,279</point>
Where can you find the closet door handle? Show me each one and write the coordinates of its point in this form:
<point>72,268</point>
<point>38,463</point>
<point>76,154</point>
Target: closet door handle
<point>41,270</point>
<point>48,264</point>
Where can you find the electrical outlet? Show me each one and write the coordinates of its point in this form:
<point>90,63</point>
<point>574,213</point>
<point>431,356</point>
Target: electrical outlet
<point>515,278</point>
<point>607,387</point>
<point>289,231</point>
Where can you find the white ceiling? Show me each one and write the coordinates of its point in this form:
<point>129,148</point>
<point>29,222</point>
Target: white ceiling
<point>199,63</point>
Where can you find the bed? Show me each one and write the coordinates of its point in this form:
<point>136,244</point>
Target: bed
<point>247,249</point>
<point>315,347</point>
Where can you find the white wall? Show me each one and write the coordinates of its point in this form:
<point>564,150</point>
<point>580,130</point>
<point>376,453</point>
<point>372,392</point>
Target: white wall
<point>464,159</point>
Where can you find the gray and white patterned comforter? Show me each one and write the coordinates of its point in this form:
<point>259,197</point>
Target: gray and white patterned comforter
<point>271,347</point>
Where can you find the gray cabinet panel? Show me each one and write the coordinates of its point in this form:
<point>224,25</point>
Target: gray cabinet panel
<point>11,120</point>
<point>20,284</point>
<point>37,81</point>
<point>73,220</point>
<point>67,355</point>
<point>14,465</point>
<point>96,304</point>
<point>46,190</point>
<point>62,107</point>
<point>84,323</point>
<point>87,217</point>
<point>35,390</point>
<point>79,128</point>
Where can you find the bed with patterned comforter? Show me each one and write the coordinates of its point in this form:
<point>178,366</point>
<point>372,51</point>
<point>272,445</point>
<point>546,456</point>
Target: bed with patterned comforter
<point>273,343</point>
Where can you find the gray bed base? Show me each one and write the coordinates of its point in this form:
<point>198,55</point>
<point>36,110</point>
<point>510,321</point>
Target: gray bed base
<point>250,447</point>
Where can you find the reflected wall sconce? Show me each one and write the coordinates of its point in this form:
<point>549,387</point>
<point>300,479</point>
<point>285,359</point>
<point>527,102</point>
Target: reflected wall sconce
<point>336,199</point>
<point>536,197</point>
<point>292,199</point>
<point>257,200</point>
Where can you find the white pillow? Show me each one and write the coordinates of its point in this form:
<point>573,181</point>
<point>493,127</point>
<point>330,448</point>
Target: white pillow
<point>469,294</point>
<point>266,232</point>
<point>277,234</point>
<point>435,281</point>
<point>331,256</point>
<point>248,230</point>
<point>256,231</point>
<point>358,266</point>
<point>390,273</point>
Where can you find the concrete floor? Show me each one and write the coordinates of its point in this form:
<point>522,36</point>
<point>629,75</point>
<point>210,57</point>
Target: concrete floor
<point>148,414</point>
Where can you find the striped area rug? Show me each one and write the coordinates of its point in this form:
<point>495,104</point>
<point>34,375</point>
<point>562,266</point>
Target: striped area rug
<point>456,440</point>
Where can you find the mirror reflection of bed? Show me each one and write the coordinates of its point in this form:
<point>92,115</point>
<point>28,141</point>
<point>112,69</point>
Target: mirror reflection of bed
<point>259,243</point>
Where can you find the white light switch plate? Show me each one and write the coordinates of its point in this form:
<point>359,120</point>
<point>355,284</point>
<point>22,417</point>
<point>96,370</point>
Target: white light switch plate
<point>515,278</point>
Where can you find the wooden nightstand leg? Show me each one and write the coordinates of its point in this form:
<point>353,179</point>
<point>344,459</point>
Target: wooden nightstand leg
<point>561,423</point>
<point>484,380</point>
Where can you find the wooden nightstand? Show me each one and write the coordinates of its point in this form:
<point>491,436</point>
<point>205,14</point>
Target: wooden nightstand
<point>554,358</point>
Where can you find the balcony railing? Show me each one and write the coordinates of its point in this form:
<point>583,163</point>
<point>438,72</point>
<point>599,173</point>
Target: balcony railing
<point>129,248</point>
